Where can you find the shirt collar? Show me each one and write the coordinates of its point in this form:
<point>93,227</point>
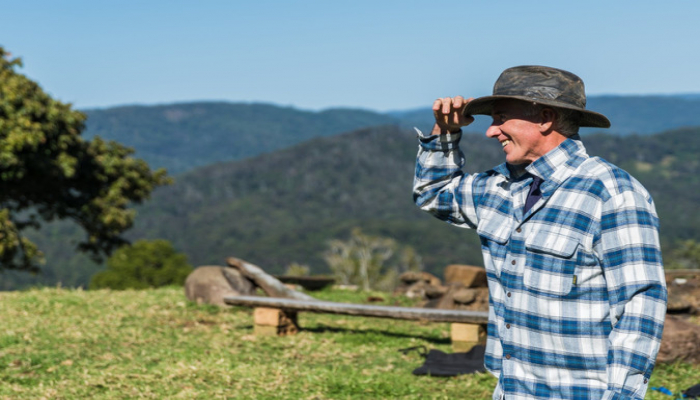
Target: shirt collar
<point>554,167</point>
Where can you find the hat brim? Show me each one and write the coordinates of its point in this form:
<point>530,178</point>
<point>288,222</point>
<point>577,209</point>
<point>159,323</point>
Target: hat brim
<point>484,105</point>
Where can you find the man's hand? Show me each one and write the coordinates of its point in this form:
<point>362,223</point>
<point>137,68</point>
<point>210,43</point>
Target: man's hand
<point>448,114</point>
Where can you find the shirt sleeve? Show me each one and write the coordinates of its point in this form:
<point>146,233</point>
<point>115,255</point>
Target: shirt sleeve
<point>633,268</point>
<point>440,187</point>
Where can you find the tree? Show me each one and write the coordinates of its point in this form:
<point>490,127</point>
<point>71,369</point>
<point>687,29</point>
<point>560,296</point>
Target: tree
<point>48,172</point>
<point>145,264</point>
<point>369,261</point>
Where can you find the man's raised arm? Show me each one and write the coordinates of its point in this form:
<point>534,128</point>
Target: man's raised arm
<point>439,186</point>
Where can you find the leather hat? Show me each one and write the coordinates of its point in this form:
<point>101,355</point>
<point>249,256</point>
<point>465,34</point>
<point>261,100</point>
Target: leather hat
<point>541,85</point>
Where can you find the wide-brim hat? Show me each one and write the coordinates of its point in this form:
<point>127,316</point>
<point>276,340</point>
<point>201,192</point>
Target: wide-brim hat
<point>541,85</point>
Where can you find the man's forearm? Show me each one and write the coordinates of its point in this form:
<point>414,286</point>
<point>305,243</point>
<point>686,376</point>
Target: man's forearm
<point>439,186</point>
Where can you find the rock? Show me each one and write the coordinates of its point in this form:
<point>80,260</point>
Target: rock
<point>432,292</point>
<point>420,285</point>
<point>210,284</point>
<point>410,277</point>
<point>414,291</point>
<point>480,301</point>
<point>464,296</point>
<point>678,303</point>
<point>683,292</point>
<point>680,341</point>
<point>468,275</point>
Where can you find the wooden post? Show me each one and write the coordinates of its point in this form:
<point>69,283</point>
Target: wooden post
<point>273,321</point>
<point>466,336</point>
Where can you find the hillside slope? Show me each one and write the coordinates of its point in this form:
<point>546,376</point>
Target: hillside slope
<point>282,207</point>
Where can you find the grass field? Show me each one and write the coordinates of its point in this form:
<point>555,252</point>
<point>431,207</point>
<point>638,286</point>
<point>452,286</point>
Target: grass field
<point>73,344</point>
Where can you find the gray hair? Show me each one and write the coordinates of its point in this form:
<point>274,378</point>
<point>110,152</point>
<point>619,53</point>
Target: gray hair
<point>566,121</point>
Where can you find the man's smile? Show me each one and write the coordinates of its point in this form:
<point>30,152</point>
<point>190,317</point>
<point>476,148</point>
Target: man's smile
<point>505,142</point>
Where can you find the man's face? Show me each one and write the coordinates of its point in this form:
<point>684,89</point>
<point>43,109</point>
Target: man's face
<point>518,132</point>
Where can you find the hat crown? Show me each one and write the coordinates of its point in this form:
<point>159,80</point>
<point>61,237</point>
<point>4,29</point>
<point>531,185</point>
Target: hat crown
<point>541,83</point>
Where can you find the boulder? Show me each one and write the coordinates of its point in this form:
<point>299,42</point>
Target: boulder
<point>411,277</point>
<point>210,284</point>
<point>467,275</point>
<point>683,292</point>
<point>421,285</point>
<point>680,341</point>
<point>420,290</point>
<point>464,296</point>
<point>461,298</point>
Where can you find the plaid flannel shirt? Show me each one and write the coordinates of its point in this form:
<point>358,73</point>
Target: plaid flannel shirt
<point>577,288</point>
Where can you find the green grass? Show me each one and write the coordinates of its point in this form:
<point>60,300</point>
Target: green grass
<point>73,344</point>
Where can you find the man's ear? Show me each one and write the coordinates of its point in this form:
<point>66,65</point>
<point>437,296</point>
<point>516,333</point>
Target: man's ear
<point>547,118</point>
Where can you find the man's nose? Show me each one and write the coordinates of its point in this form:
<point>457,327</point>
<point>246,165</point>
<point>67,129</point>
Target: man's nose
<point>493,131</point>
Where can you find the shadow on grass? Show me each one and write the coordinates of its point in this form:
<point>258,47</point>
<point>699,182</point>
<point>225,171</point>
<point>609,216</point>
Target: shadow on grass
<point>397,335</point>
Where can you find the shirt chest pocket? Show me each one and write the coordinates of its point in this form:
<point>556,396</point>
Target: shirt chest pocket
<point>550,266</point>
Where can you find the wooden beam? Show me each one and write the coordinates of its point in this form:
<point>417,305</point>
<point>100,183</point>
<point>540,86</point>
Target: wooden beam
<point>269,284</point>
<point>364,310</point>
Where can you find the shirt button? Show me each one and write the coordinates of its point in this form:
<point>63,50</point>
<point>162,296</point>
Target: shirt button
<point>513,262</point>
<point>508,294</point>
<point>507,326</point>
<point>518,230</point>
<point>507,356</point>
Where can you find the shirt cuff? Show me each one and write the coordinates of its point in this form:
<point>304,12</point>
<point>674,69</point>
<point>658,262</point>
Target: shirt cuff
<point>444,142</point>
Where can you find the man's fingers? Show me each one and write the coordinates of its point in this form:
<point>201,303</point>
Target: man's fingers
<point>446,105</point>
<point>448,112</point>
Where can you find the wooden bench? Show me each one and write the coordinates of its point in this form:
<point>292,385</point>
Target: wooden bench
<point>279,316</point>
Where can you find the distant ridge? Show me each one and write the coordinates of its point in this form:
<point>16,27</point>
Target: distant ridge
<point>184,136</point>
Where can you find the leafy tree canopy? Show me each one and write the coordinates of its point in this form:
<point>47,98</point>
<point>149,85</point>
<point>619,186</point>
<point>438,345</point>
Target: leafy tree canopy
<point>48,172</point>
<point>143,265</point>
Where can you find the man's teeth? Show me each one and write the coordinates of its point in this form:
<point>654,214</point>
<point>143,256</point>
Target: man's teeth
<point>505,142</point>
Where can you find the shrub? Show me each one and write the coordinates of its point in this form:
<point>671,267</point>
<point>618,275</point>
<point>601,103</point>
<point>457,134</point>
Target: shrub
<point>145,264</point>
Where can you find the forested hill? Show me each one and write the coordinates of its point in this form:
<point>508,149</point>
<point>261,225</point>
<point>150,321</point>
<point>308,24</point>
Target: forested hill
<point>184,136</point>
<point>283,207</point>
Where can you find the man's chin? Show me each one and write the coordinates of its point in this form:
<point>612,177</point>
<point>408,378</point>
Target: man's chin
<point>517,161</point>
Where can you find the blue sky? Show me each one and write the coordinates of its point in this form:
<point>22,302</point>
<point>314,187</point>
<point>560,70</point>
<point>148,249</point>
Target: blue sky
<point>381,55</point>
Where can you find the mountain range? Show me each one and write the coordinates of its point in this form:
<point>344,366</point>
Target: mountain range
<point>184,136</point>
<point>283,207</point>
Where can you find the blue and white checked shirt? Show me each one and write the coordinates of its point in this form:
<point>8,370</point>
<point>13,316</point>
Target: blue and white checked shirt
<point>577,288</point>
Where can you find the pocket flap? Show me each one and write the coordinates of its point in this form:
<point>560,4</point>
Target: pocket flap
<point>497,229</point>
<point>548,282</point>
<point>557,243</point>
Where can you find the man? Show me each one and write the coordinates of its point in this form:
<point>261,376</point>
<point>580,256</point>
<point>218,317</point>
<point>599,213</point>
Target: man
<point>570,242</point>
